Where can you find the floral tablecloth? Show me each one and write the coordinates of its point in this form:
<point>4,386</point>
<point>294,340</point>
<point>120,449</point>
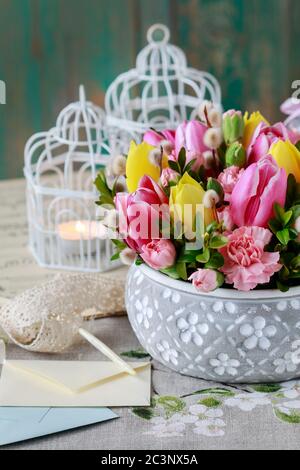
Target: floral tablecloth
<point>186,413</point>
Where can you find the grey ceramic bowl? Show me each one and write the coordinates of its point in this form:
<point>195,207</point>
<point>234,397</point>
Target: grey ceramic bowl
<point>224,336</point>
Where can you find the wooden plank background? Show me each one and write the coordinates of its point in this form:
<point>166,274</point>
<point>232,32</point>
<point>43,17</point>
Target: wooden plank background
<point>49,47</point>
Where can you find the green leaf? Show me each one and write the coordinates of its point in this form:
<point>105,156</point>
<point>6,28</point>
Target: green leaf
<point>282,287</point>
<point>115,256</point>
<point>266,388</point>
<point>181,270</point>
<point>136,354</point>
<point>182,159</point>
<point>283,236</point>
<point>218,241</point>
<point>210,402</point>
<point>171,404</point>
<point>216,261</point>
<point>119,244</point>
<point>287,217</point>
<point>212,227</point>
<point>144,413</point>
<point>188,256</point>
<point>293,418</point>
<point>279,212</point>
<point>171,272</point>
<point>204,257</point>
<point>139,261</point>
<point>295,263</point>
<point>189,166</point>
<point>275,225</point>
<point>174,166</point>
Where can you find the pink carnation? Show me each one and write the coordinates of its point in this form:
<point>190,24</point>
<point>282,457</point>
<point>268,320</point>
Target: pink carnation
<point>246,263</point>
<point>228,180</point>
<point>159,254</point>
<point>205,280</point>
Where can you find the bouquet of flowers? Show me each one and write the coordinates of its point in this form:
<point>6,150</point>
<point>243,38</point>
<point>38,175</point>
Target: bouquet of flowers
<point>215,202</point>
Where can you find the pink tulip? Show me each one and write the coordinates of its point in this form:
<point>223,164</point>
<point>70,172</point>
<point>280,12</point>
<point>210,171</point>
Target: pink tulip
<point>155,138</point>
<point>263,138</point>
<point>140,213</point>
<point>159,254</point>
<point>246,263</point>
<point>190,135</point>
<point>259,187</point>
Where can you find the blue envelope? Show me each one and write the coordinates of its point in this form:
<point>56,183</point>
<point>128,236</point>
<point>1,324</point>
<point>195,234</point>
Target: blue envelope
<point>19,424</point>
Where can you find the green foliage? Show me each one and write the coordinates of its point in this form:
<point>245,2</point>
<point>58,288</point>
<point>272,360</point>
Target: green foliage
<point>293,418</point>
<point>215,391</point>
<point>171,404</point>
<point>136,354</point>
<point>106,197</point>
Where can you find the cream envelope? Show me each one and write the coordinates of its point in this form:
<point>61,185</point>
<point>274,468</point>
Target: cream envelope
<point>73,384</point>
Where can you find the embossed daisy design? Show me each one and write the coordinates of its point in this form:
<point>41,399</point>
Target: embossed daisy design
<point>191,330</point>
<point>258,334</point>
<point>167,353</point>
<point>145,313</point>
<point>223,364</point>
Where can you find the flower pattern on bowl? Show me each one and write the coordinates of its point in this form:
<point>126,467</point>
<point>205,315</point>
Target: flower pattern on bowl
<point>167,353</point>
<point>223,364</point>
<point>258,334</point>
<point>286,363</point>
<point>191,330</point>
<point>145,312</point>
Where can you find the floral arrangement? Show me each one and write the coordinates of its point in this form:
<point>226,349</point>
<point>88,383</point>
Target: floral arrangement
<point>215,202</point>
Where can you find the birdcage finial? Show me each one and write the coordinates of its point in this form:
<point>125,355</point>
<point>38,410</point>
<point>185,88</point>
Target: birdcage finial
<point>157,30</point>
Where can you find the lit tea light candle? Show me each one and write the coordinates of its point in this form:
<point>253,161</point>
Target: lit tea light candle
<point>76,234</point>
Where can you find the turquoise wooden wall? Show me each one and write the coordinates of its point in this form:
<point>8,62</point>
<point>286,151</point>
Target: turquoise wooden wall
<point>49,47</point>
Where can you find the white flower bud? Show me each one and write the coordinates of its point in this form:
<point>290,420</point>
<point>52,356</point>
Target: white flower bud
<point>127,256</point>
<point>111,219</point>
<point>297,224</point>
<point>213,138</point>
<point>210,199</point>
<point>155,157</point>
<point>118,165</point>
<point>215,118</point>
<point>167,147</point>
<point>208,105</point>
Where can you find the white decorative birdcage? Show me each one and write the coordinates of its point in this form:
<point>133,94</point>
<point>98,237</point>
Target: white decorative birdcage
<point>291,107</point>
<point>60,168</point>
<point>161,91</point>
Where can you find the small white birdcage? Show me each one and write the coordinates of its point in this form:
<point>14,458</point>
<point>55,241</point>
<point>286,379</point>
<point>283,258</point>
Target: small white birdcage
<point>60,168</point>
<point>162,91</point>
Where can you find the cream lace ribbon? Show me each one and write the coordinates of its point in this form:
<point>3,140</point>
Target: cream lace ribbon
<point>46,318</point>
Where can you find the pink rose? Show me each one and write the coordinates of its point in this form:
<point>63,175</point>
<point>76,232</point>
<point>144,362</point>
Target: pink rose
<point>140,213</point>
<point>205,280</point>
<point>168,176</point>
<point>190,135</point>
<point>246,263</point>
<point>159,254</point>
<point>228,180</point>
<point>224,215</point>
<point>259,187</point>
<point>155,138</point>
<point>263,138</point>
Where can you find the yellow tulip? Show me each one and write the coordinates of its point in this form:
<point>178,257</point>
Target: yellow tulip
<point>251,124</point>
<point>138,165</point>
<point>287,156</point>
<point>186,202</point>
